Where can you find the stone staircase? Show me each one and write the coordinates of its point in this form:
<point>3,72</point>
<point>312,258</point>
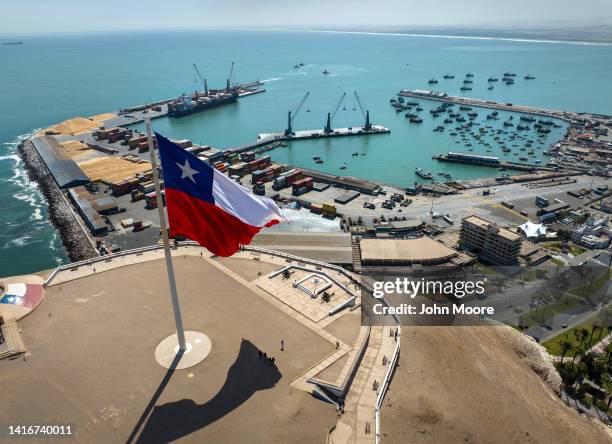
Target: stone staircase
<point>13,342</point>
<point>356,254</point>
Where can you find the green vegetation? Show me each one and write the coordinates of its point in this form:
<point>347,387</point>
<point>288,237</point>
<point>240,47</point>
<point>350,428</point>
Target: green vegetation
<point>559,248</point>
<point>588,376</point>
<point>558,262</point>
<point>592,286</point>
<point>581,336</point>
<point>539,315</point>
<point>572,297</point>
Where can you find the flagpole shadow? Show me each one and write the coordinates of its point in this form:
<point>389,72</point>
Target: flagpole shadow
<point>168,422</point>
<point>160,389</point>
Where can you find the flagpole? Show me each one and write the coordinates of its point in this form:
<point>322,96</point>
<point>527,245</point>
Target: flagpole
<point>180,332</point>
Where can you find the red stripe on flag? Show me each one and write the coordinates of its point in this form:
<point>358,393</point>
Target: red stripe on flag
<point>210,226</point>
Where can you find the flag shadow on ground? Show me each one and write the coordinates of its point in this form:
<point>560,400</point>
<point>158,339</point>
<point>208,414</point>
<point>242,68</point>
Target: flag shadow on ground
<point>248,374</point>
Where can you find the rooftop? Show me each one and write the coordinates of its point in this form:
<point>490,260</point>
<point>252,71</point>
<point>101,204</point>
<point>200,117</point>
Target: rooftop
<point>409,250</point>
<point>92,364</point>
<point>483,223</point>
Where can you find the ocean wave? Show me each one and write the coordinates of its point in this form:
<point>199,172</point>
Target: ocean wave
<point>17,242</point>
<point>13,157</point>
<point>273,79</point>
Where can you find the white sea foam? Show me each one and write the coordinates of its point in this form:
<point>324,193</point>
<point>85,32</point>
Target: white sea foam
<point>17,242</point>
<point>442,36</point>
<point>273,79</point>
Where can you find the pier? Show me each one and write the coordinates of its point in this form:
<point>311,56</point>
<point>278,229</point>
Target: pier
<point>269,138</point>
<point>491,162</point>
<point>443,97</point>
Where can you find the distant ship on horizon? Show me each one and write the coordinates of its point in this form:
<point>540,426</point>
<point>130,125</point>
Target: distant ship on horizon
<point>12,43</point>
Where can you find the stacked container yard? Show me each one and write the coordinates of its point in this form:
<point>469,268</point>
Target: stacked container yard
<point>302,186</point>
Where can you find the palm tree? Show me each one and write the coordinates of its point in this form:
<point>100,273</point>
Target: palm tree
<point>565,347</point>
<point>593,328</point>
<point>579,350</point>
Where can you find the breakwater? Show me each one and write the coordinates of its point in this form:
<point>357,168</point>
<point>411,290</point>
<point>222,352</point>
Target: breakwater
<point>75,239</point>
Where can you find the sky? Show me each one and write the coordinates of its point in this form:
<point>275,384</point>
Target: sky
<point>61,16</point>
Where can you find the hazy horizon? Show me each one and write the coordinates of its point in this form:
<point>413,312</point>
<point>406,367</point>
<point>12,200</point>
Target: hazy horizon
<point>74,16</point>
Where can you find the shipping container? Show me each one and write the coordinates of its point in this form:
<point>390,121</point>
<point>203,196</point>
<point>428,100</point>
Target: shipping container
<point>328,208</point>
<point>279,183</point>
<point>316,209</point>
<point>259,189</point>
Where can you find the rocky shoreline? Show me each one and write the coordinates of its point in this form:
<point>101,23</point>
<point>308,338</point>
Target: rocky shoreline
<point>75,241</point>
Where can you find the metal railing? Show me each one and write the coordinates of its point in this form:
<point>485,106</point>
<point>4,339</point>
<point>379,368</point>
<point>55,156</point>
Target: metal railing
<point>383,388</point>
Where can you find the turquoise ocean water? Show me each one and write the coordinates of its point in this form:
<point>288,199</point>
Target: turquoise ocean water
<point>52,78</point>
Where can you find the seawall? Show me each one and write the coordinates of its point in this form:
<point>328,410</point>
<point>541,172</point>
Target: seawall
<point>75,240</point>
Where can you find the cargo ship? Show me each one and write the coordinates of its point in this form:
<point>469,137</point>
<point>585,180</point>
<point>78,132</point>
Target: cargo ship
<point>186,105</point>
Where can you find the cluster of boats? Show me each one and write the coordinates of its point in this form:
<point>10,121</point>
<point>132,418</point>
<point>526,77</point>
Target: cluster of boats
<point>508,78</point>
<point>318,160</point>
<point>526,140</point>
<point>427,174</point>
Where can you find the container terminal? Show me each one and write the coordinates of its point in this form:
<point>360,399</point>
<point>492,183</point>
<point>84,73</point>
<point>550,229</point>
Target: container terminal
<point>96,174</point>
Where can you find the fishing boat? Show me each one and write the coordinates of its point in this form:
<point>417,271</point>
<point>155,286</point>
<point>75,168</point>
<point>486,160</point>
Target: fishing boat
<point>490,87</point>
<point>432,81</point>
<point>326,72</point>
<point>444,174</point>
<point>466,88</point>
<point>416,120</point>
<point>492,79</point>
<point>529,77</point>
<point>449,76</point>
<point>423,174</point>
<point>316,157</point>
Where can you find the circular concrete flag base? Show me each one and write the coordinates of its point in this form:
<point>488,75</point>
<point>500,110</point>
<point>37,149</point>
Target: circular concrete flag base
<point>198,347</point>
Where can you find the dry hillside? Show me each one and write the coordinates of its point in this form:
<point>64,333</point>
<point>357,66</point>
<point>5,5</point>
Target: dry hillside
<point>478,385</point>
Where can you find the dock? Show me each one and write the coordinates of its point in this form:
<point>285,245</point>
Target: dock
<point>443,97</point>
<point>498,164</point>
<point>268,138</point>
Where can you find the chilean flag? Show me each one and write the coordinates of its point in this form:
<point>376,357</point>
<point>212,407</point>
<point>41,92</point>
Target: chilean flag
<point>208,207</point>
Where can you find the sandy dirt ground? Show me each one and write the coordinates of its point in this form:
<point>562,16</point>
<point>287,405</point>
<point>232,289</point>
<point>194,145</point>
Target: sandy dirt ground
<point>76,149</point>
<point>468,385</point>
<point>74,126</point>
<point>112,169</point>
<point>92,362</point>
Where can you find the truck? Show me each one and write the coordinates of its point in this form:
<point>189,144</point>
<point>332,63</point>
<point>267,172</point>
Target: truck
<point>541,201</point>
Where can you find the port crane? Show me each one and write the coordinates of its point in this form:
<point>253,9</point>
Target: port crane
<point>202,79</point>
<point>330,116</point>
<point>366,113</point>
<point>291,116</point>
<point>230,78</point>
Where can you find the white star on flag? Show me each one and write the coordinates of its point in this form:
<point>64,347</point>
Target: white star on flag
<point>187,171</point>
